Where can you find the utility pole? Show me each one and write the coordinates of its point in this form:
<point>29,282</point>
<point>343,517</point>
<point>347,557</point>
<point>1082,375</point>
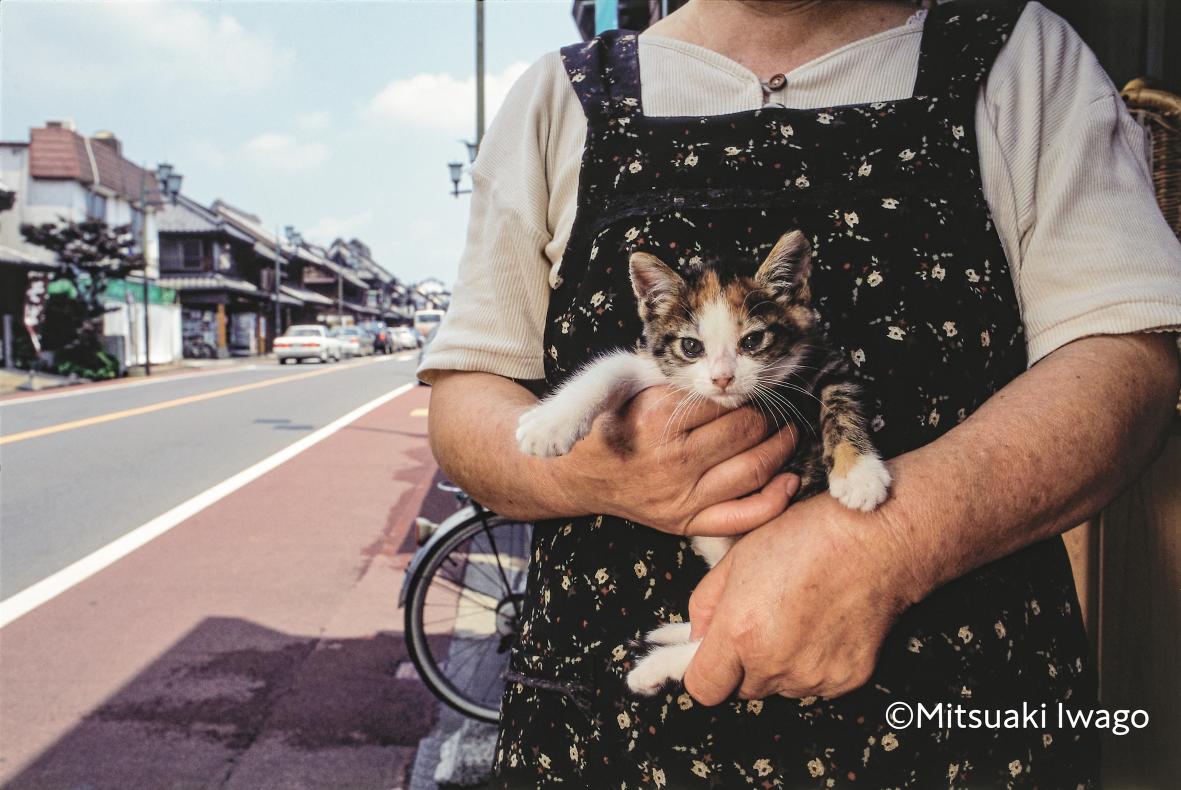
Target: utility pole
<point>479,72</point>
<point>143,208</point>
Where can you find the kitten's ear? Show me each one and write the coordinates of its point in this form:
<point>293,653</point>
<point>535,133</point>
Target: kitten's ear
<point>655,283</point>
<point>788,266</point>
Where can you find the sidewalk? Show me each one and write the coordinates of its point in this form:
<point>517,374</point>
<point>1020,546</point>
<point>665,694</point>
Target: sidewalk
<point>256,645</point>
<point>13,380</point>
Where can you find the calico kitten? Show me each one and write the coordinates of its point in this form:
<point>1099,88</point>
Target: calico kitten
<point>735,340</point>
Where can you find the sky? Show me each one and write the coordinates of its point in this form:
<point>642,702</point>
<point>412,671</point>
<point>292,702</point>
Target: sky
<point>336,117</point>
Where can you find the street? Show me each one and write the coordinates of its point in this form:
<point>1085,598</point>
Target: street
<point>200,575</point>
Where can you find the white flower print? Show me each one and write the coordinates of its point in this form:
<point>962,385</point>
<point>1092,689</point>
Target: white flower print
<point>933,418</point>
<point>544,761</point>
<point>1047,739</point>
<point>890,203</point>
<point>953,770</point>
<point>971,275</point>
<point>824,118</point>
<point>700,768</point>
<point>815,767</point>
<point>573,753</point>
<point>597,299</point>
<point>985,339</point>
<point>802,182</point>
<point>965,634</point>
<point>965,692</point>
<point>858,356</point>
<point>949,328</point>
<point>874,279</point>
<point>1034,606</point>
<point>641,570</point>
<point>957,132</point>
<point>877,105</point>
<point>695,260</point>
<point>889,741</point>
<point>851,218</point>
<point>732,150</point>
<point>878,422</point>
<point>623,720</point>
<point>895,333</point>
<point>553,352</point>
<point>865,169</point>
<point>914,645</point>
<point>658,777</point>
<point>1051,670</point>
<point>762,766</point>
<point>691,160</point>
<point>635,167</point>
<point>999,627</point>
<point>754,706</point>
<point>578,78</point>
<point>938,272</point>
<point>630,102</point>
<point>684,702</point>
<point>1015,767</point>
<point>565,582</point>
<point>619,652</point>
<point>565,327</point>
<point>632,234</point>
<point>601,576</point>
<point>807,701</point>
<point>906,154</point>
<point>786,130</point>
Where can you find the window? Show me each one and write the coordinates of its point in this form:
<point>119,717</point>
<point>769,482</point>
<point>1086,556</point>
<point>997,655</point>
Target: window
<point>182,254</point>
<point>96,206</point>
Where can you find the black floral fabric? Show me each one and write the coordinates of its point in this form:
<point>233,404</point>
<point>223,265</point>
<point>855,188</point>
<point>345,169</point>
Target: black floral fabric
<point>912,282</point>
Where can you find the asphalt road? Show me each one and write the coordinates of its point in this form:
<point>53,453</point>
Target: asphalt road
<point>84,467</point>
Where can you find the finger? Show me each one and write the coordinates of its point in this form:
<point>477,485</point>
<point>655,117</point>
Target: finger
<point>704,600</point>
<point>739,516</point>
<point>715,670</point>
<point>746,471</point>
<point>727,436</point>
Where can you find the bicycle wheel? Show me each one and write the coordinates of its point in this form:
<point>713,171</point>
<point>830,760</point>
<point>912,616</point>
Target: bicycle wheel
<point>463,610</point>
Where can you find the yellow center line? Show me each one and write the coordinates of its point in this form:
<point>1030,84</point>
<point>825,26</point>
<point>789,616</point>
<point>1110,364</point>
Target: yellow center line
<point>168,404</point>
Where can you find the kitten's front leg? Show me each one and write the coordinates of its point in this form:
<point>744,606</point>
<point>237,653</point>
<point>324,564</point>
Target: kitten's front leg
<point>664,664</point>
<point>857,478</point>
<point>553,426</point>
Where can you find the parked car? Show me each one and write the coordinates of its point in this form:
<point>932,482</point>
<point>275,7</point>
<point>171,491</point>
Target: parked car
<point>383,336</point>
<point>405,337</point>
<point>307,341</point>
<point>354,341</point>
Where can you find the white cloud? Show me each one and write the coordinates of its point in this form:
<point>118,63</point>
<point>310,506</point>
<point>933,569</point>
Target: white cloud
<point>440,101</point>
<point>313,122</point>
<point>327,229</point>
<point>275,151</point>
<point>183,47</point>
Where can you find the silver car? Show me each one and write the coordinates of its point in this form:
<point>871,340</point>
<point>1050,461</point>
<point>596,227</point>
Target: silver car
<point>306,341</point>
<point>354,341</point>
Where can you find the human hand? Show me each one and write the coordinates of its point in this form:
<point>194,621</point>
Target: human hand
<point>689,467</point>
<point>800,606</point>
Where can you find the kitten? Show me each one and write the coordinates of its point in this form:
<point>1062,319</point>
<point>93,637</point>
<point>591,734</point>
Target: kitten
<point>734,340</point>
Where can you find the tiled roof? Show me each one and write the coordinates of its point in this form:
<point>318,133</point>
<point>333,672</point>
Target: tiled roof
<point>310,297</point>
<point>209,282</point>
<point>60,153</point>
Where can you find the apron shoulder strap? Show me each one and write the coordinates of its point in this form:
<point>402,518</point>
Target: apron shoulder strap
<point>605,75</point>
<point>961,40</point>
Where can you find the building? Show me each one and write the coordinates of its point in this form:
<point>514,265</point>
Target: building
<point>384,292</point>
<point>61,174</point>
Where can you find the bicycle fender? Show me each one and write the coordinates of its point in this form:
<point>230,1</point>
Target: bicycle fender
<point>461,516</point>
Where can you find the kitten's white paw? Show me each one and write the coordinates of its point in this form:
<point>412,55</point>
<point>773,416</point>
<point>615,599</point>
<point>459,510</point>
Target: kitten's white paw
<point>546,431</point>
<point>864,487</point>
<point>663,665</point>
<point>671,634</point>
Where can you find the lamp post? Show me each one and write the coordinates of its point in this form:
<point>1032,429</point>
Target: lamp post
<point>168,183</point>
<point>296,240</point>
<point>457,167</point>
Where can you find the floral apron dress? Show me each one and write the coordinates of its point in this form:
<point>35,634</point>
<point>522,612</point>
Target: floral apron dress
<point>911,281</point>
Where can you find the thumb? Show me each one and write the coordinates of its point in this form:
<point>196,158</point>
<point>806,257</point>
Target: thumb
<point>715,670</point>
<point>704,600</point>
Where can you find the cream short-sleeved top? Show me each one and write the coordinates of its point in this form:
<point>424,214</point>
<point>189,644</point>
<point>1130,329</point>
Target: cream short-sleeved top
<point>1064,168</point>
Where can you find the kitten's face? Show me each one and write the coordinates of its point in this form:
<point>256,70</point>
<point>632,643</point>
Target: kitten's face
<point>723,336</point>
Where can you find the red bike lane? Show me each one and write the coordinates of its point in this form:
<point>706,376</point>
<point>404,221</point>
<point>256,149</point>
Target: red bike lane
<point>256,645</point>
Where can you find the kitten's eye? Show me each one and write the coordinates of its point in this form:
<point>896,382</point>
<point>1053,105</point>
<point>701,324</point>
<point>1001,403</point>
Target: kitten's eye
<point>691,347</point>
<point>752,341</point>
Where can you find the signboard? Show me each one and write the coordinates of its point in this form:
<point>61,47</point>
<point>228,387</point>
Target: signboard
<point>35,297</point>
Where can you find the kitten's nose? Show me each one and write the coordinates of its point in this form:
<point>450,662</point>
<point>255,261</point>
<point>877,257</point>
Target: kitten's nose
<point>722,381</point>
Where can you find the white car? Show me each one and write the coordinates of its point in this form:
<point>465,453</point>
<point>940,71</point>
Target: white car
<point>405,338</point>
<point>307,341</point>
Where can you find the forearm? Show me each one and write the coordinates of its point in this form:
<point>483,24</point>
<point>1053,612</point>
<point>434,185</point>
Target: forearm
<point>1039,457</point>
<point>473,421</point>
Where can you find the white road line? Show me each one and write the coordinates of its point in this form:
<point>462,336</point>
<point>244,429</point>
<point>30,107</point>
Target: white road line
<point>50,587</point>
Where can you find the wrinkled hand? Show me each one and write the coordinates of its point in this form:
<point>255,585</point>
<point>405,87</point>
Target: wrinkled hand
<point>690,467</point>
<point>800,606</point>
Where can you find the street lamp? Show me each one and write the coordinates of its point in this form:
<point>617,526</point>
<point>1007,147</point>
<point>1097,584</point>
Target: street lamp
<point>295,238</point>
<point>457,168</point>
<point>168,183</point>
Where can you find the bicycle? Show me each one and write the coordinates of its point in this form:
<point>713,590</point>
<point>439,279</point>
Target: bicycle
<point>463,593</point>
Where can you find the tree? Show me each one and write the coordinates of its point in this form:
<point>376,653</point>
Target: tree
<point>90,254</point>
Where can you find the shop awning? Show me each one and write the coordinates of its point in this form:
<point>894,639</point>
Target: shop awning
<point>210,282</point>
<point>305,296</point>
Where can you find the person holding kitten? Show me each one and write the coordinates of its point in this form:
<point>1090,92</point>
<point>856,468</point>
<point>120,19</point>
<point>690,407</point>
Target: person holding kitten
<point>954,203</point>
